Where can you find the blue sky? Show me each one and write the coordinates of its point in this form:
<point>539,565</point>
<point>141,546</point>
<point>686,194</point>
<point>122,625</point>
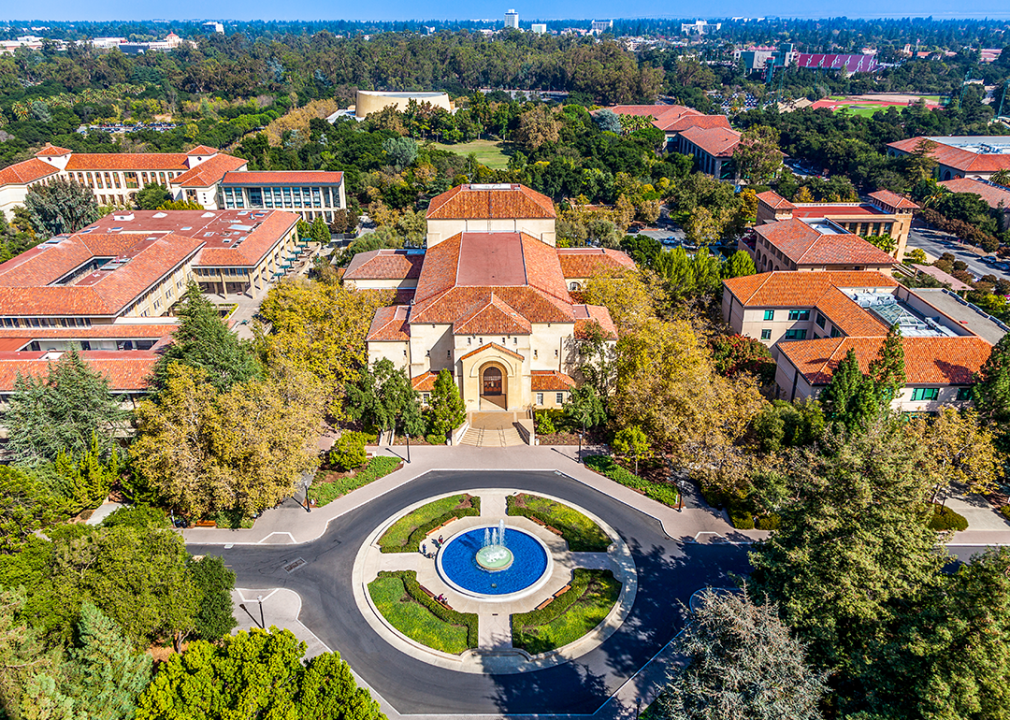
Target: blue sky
<point>472,9</point>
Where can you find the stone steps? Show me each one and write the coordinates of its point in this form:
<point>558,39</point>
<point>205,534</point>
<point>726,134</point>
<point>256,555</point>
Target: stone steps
<point>480,437</point>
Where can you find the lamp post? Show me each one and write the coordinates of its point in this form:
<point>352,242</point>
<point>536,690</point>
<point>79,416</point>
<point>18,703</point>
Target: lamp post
<point>263,625</point>
<point>408,447</point>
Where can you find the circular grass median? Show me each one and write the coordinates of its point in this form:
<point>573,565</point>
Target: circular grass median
<point>575,528</point>
<point>405,605</point>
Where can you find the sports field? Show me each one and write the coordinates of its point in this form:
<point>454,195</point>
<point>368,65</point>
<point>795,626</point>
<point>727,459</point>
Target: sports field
<point>867,105</point>
<point>488,152</point>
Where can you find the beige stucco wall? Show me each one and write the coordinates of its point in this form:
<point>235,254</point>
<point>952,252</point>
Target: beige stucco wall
<point>540,228</point>
<point>368,102</point>
<point>397,353</point>
<point>160,297</point>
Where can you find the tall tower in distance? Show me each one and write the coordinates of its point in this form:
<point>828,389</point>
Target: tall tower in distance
<point>512,19</point>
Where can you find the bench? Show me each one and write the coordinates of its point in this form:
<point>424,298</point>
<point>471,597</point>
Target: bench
<point>546,602</point>
<point>430,594</point>
<point>545,526</point>
<point>206,523</point>
<point>563,590</point>
<point>436,529</point>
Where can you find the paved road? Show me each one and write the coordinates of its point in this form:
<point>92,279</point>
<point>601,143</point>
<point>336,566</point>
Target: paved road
<point>670,570</point>
<point>937,242</point>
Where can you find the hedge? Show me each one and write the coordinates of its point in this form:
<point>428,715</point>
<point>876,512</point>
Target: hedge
<point>326,492</point>
<point>407,533</point>
<point>1005,510</point>
<point>563,604</point>
<point>946,519</point>
<point>768,522</point>
<point>741,519</point>
<point>580,532</point>
<point>450,617</point>
<point>660,492</point>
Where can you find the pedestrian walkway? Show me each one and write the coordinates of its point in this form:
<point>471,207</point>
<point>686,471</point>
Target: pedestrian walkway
<point>291,524</point>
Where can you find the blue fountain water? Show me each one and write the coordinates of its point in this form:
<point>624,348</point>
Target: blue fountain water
<point>459,563</point>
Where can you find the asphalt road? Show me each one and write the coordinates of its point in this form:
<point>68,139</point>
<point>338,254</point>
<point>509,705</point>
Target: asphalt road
<point>669,571</point>
<point>937,242</point>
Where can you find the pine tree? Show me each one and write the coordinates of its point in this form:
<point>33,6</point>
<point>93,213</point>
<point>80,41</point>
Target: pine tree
<point>850,398</point>
<point>992,384</point>
<point>319,231</point>
<point>214,618</point>
<point>446,410</point>
<point>106,676</point>
<point>204,341</point>
<point>888,369</point>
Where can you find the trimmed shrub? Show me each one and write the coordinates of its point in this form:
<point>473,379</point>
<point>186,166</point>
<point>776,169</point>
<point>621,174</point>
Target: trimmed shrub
<point>407,533</point>
<point>544,423</point>
<point>413,588</point>
<point>348,452</point>
<point>435,439</point>
<point>660,492</point>
<point>579,531</point>
<point>379,466</point>
<point>1005,511</point>
<point>741,519</point>
<point>946,519</point>
<point>768,522</point>
<point>138,516</point>
<point>525,626</point>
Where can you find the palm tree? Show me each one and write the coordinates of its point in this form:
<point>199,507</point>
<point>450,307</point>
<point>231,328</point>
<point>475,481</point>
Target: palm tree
<point>1001,177</point>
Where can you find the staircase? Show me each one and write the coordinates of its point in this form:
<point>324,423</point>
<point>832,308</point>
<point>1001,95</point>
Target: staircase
<point>492,437</point>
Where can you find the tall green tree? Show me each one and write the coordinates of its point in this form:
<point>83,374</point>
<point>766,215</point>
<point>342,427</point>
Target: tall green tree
<point>61,206</point>
<point>383,398</point>
<point>757,157</point>
<point>400,152</point>
<point>152,196</point>
<point>887,370</point>
<point>68,410</point>
<point>26,505</point>
<point>214,582</point>
<point>106,675</point>
<point>585,407</point>
<point>991,392</point>
<point>739,264</point>
<point>850,399</point>
<point>204,341</point>
<point>742,662</point>
<point>853,546</point>
<point>446,410</point>
<point>255,675</point>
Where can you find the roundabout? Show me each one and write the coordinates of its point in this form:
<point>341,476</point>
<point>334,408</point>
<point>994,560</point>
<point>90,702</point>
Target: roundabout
<point>321,572</point>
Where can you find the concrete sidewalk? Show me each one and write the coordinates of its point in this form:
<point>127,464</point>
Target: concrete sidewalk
<point>292,524</point>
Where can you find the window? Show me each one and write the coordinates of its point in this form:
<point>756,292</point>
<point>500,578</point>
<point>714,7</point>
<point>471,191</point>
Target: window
<point>534,354</point>
<point>820,321</point>
<point>766,334</point>
<point>964,393</point>
<point>835,332</point>
<point>799,314</point>
<point>540,398</point>
<point>769,314</point>
<point>555,353</point>
<point>924,394</point>
<point>796,334</point>
<point>559,398</point>
<point>425,397</point>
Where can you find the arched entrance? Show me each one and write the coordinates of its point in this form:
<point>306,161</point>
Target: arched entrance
<point>491,381</point>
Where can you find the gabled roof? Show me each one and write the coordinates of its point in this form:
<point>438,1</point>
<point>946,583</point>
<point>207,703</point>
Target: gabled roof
<point>202,150</point>
<point>716,141</point>
<point>389,325</point>
<point>796,289</point>
<point>993,195</point>
<point>492,346</point>
<point>588,315</point>
<point>209,172</point>
<point>26,172</point>
<point>488,202</point>
<point>774,200</point>
<point>928,360</point>
<point>586,262</point>
<point>127,161</point>
<point>460,275</point>
<point>50,150</point>
<point>684,122</point>
<point>805,245</point>
<point>495,317</point>
<point>425,382</point>
<point>126,371</point>
<point>894,200</point>
<point>385,265</point>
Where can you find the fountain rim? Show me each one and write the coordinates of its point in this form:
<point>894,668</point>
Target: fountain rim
<point>530,589</point>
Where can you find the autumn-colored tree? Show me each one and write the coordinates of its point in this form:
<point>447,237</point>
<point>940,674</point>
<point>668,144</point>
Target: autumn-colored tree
<point>632,443</point>
<point>631,296</point>
<point>294,125</point>
<point>202,450</point>
<point>319,327</point>
<point>537,126</point>
<point>757,157</point>
<point>956,449</point>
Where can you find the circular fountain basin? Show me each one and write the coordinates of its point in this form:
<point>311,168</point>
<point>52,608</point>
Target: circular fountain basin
<point>495,572</point>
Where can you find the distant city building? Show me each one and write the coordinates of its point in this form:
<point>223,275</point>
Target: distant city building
<point>369,101</point>
<point>973,156</point>
<point>107,43</point>
<point>699,27</point>
<point>602,26</point>
<point>538,28</point>
<point>756,59</point>
<point>214,27</point>
<point>512,19</point>
<point>831,61</point>
<point>30,42</point>
<point>171,42</point>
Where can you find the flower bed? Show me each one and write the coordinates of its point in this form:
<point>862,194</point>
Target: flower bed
<point>407,607</point>
<point>581,533</point>
<point>570,615</point>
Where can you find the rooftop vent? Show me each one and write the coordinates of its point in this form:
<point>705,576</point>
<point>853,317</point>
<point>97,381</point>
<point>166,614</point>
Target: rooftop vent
<point>207,215</point>
<point>160,215</point>
<point>123,218</point>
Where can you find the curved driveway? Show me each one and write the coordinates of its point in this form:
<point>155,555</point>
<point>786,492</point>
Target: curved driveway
<point>669,572</point>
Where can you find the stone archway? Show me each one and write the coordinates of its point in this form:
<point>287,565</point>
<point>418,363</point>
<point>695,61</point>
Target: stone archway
<point>494,379</point>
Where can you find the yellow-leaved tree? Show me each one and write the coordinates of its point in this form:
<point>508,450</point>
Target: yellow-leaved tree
<point>204,451</point>
<point>319,327</point>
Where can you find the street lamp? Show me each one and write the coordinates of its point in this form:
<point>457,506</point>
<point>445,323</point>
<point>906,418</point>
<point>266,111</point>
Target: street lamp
<point>263,625</point>
<point>408,446</point>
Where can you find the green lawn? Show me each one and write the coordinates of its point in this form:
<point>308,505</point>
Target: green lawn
<point>413,619</point>
<point>570,616</point>
<point>405,534</point>
<point>581,533</point>
<point>488,152</point>
<point>326,491</point>
<point>863,110</point>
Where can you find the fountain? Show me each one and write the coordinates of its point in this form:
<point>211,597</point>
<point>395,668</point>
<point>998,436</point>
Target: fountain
<point>494,556</point>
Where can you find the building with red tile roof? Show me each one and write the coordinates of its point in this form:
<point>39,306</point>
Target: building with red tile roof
<point>127,373</point>
<point>712,149</point>
<point>995,196</point>
<point>673,119</point>
<point>812,244</point>
<point>310,194</point>
<point>885,213</point>
<point>811,320</point>
<point>492,305</point>
<point>973,156</point>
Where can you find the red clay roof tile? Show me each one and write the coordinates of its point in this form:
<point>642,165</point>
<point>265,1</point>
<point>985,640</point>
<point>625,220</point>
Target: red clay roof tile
<point>490,202</point>
<point>805,246</point>
<point>25,172</point>
<point>385,265</point>
<point>586,262</point>
<point>550,381</point>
